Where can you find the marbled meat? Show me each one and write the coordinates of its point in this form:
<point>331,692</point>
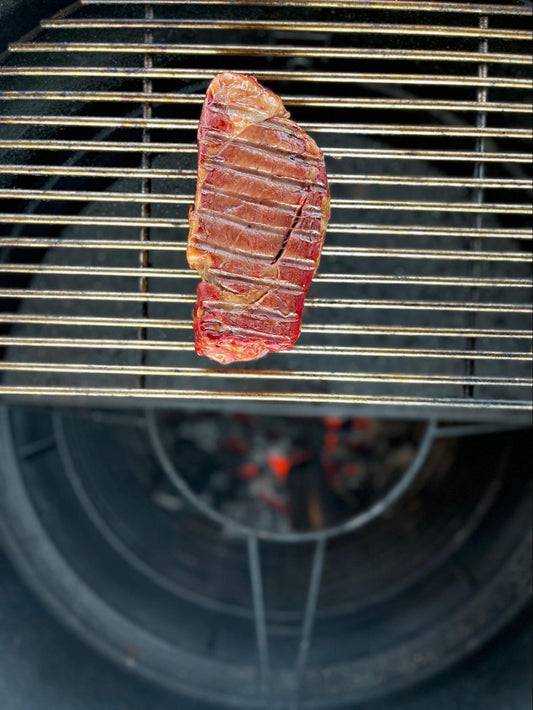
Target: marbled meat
<point>258,223</point>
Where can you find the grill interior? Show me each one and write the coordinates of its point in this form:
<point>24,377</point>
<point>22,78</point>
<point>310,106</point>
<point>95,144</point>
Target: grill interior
<point>423,111</point>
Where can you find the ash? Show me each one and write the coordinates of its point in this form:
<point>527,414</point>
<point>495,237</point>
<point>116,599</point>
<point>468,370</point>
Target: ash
<point>285,473</point>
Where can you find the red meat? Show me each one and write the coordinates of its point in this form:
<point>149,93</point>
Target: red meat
<point>258,223</point>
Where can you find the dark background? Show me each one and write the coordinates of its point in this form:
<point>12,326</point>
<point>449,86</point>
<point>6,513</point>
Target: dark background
<point>43,667</point>
<point>24,15</point>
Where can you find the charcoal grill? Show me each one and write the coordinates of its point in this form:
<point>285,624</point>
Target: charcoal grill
<point>421,310</point>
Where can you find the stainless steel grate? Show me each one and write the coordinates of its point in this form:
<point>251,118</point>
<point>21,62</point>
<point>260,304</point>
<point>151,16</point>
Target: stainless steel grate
<point>423,297</point>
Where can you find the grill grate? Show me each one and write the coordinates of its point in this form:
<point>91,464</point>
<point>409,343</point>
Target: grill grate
<point>423,110</point>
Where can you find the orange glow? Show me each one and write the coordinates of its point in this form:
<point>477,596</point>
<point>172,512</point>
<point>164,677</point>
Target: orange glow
<point>281,465</point>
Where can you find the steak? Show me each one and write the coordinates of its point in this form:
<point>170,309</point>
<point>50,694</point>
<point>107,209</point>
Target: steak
<point>258,223</point>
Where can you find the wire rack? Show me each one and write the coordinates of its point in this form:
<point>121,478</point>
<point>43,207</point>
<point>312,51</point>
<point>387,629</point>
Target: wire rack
<point>423,110</point>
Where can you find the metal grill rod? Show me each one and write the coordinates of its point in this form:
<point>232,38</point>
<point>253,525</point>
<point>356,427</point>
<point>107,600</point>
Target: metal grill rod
<point>256,579</point>
<point>315,350</point>
<point>302,375</point>
<point>419,6</point>
<point>479,194</point>
<point>370,252</point>
<point>448,156</point>
<point>330,398</point>
<point>280,25</point>
<point>252,50</point>
<point>186,199</point>
<point>317,570</point>
<point>357,129</point>
<point>341,77</point>
<point>146,182</point>
<point>290,100</point>
<point>408,230</point>
<point>324,329</point>
<point>333,178</point>
<point>190,124</point>
<point>310,302</point>
<point>140,271</point>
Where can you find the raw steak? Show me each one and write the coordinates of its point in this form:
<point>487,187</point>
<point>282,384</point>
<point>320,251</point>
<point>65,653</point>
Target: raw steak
<point>258,223</point>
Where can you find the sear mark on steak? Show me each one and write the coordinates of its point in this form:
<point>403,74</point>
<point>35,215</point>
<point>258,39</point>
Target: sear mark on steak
<point>289,231</point>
